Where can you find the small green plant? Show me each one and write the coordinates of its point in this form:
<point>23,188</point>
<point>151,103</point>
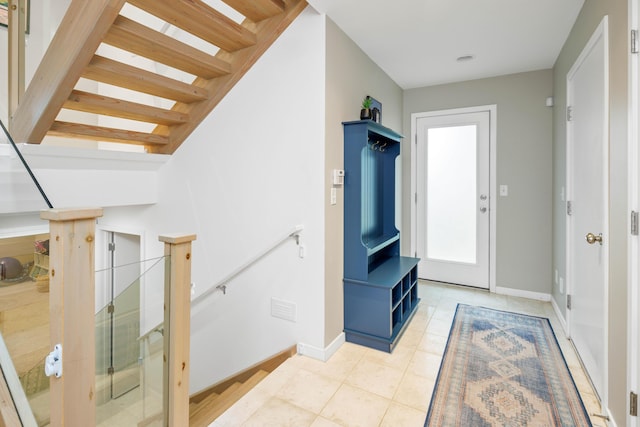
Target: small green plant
<point>366,103</point>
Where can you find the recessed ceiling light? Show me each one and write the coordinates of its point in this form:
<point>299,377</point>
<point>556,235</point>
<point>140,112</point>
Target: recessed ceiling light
<point>465,58</point>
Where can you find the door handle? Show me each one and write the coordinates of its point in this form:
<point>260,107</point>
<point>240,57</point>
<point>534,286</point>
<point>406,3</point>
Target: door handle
<point>592,238</point>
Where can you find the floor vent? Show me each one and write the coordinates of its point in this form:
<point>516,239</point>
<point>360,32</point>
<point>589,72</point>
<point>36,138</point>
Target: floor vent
<point>283,309</point>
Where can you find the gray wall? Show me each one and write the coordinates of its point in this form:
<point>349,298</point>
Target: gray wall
<point>350,76</point>
<point>524,163</point>
<point>589,18</point>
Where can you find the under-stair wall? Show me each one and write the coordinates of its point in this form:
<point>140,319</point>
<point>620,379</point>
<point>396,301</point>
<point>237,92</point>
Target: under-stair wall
<point>239,182</point>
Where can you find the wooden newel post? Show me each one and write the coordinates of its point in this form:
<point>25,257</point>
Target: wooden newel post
<point>72,313</point>
<point>177,329</point>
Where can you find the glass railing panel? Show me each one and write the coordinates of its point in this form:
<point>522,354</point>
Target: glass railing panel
<point>128,357</point>
<point>19,193</point>
<point>24,315</point>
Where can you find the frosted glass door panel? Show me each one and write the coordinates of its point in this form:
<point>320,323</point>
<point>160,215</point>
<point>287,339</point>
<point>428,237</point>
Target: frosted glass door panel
<point>451,194</point>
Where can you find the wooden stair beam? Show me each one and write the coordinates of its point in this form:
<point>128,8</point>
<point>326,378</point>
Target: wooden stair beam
<point>77,38</point>
<point>241,61</point>
<point>199,19</point>
<point>257,10</point>
<point>104,105</point>
<point>136,38</point>
<point>99,133</point>
<point>116,73</point>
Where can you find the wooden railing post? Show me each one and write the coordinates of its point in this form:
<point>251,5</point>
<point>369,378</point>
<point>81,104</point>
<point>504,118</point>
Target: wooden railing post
<point>72,313</point>
<point>177,329</point>
<point>17,27</point>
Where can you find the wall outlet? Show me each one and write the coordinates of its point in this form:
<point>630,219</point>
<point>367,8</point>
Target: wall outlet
<point>334,195</point>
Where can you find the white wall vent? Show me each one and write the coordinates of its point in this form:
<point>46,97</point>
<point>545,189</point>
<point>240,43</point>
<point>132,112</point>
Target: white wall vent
<point>283,309</point>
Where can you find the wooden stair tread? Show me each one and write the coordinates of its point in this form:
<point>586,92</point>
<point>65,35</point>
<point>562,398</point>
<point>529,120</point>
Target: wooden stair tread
<point>257,10</point>
<point>76,40</point>
<point>99,133</point>
<point>116,73</point>
<point>71,55</point>
<point>136,38</point>
<point>210,409</point>
<point>100,104</point>
<point>199,19</point>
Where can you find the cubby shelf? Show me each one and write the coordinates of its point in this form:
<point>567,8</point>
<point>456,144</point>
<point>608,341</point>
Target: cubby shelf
<point>380,286</point>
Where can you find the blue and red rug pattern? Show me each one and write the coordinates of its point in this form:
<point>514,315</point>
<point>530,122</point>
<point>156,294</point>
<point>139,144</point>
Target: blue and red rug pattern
<point>503,369</point>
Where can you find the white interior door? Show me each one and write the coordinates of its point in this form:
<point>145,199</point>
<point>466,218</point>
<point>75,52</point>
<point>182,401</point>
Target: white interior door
<point>453,212</point>
<point>587,229</point>
<point>118,313</point>
<point>125,320</point>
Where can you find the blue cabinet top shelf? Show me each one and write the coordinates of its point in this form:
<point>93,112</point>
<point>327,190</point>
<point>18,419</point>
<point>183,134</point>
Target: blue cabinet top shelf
<point>376,127</point>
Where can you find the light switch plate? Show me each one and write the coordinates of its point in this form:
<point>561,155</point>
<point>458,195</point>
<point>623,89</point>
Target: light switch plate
<point>504,190</point>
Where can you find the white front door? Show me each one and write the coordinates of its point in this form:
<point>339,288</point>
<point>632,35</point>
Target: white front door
<point>453,196</point>
<point>587,219</point>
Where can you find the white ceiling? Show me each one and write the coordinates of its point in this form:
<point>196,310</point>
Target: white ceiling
<point>416,42</point>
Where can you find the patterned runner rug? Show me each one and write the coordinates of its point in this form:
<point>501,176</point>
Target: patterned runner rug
<point>503,369</point>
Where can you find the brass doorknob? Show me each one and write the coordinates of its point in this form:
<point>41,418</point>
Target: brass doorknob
<point>592,238</point>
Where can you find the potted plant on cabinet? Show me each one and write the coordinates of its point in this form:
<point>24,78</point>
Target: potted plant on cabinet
<point>365,112</point>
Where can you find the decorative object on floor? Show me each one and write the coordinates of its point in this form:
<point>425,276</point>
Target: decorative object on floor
<point>506,369</point>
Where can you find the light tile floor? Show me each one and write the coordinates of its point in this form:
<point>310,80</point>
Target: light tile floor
<point>359,386</point>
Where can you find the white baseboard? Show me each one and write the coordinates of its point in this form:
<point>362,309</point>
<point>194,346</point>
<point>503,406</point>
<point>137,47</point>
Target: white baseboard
<point>523,294</point>
<point>559,315</point>
<point>322,353</point>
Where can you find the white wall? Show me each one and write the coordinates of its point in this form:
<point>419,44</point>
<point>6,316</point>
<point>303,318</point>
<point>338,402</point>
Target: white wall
<point>252,171</point>
<point>73,177</point>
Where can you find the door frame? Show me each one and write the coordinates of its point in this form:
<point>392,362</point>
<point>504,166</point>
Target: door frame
<point>493,118</point>
<point>633,200</point>
<point>102,258</point>
<point>600,32</point>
